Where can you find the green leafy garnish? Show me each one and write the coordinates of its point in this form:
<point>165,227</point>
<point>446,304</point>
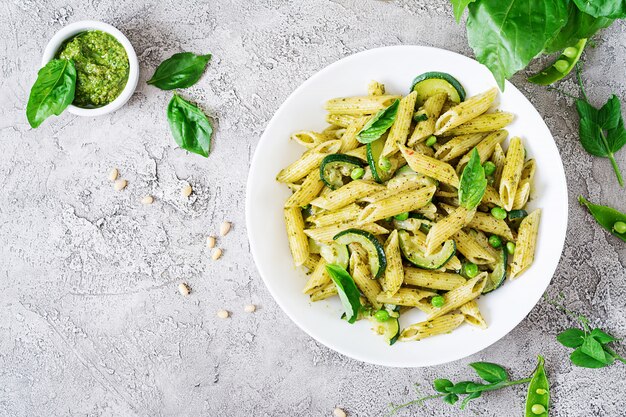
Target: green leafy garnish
<point>473,182</point>
<point>379,124</point>
<point>458,7</point>
<point>347,291</point>
<point>490,372</point>
<point>179,71</point>
<point>580,25</point>
<point>615,9</point>
<point>52,92</point>
<point>189,125</point>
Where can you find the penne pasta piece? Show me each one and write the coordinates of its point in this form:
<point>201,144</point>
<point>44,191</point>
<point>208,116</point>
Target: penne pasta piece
<point>359,105</point>
<point>319,278</point>
<point>423,149</point>
<point>488,223</point>
<point>400,128</point>
<point>447,227</point>
<point>521,195</point>
<point>497,157</point>
<point>310,139</point>
<point>406,297</point>
<point>472,249</point>
<point>298,242</point>
<point>341,120</point>
<point>360,152</point>
<point>349,139</point>
<point>343,215</point>
<point>491,197</point>
<point>430,167</point>
<point>511,173</point>
<point>433,327</point>
<point>487,122</point>
<point>360,271</point>
<point>309,161</point>
<point>325,292</point>
<point>485,148</point>
<point>425,128</point>
<point>393,277</point>
<point>472,314</point>
<point>374,88</point>
<point>465,111</point>
<point>461,295</point>
<point>457,146</point>
<point>398,185</point>
<point>431,279</point>
<point>396,204</point>
<point>311,261</point>
<point>310,188</point>
<point>349,193</point>
<point>454,264</point>
<point>327,233</point>
<point>526,243</point>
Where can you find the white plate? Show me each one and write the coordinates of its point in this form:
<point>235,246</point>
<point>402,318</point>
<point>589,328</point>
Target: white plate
<point>396,67</point>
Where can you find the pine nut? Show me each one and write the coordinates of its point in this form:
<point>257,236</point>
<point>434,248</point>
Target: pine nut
<point>119,185</point>
<point>223,314</point>
<point>217,253</point>
<point>210,242</point>
<point>250,308</point>
<point>186,190</point>
<point>113,174</point>
<point>184,289</point>
<point>225,228</point>
<point>338,412</point>
<point>147,200</point>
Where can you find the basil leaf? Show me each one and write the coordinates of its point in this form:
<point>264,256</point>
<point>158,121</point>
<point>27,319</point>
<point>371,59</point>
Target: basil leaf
<point>441,385</point>
<point>458,6</point>
<point>593,348</point>
<point>602,337</point>
<point>179,71</point>
<point>473,182</point>
<point>615,9</point>
<point>52,92</point>
<point>189,125</point>
<point>347,290</point>
<point>379,124</point>
<point>583,360</point>
<point>580,25</point>
<point>490,372</point>
<point>571,338</point>
<point>507,34</point>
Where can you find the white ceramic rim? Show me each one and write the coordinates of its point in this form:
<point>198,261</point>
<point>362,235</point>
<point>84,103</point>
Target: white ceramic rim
<point>537,292</point>
<point>133,71</point>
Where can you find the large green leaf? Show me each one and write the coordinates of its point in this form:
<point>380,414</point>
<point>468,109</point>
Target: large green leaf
<point>189,125</point>
<point>615,9</point>
<point>52,92</point>
<point>507,34</point>
<point>580,25</point>
<point>179,71</point>
<point>458,6</point>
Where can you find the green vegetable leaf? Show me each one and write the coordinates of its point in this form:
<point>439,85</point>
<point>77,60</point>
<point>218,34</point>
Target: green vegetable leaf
<point>460,388</point>
<point>507,34</point>
<point>179,71</point>
<point>579,358</point>
<point>615,9</point>
<point>347,290</point>
<point>616,138</point>
<point>490,372</point>
<point>469,398</point>
<point>579,25</point>
<point>52,92</point>
<point>610,114</point>
<point>473,182</point>
<point>571,338</point>
<point>605,216</point>
<point>379,124</point>
<point>441,385</point>
<point>602,337</point>
<point>458,6</point>
<point>451,399</point>
<point>189,125</point>
<point>593,348</point>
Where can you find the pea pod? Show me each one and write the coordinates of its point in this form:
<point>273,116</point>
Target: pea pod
<point>562,66</point>
<point>538,397</point>
<point>607,217</point>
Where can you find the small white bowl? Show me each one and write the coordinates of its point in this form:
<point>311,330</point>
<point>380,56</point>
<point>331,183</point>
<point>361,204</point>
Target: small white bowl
<point>133,71</point>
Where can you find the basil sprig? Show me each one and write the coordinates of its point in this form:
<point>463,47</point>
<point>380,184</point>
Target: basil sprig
<point>181,70</point>
<point>52,92</point>
<point>189,125</point>
<point>347,291</point>
<point>472,183</point>
<point>379,124</point>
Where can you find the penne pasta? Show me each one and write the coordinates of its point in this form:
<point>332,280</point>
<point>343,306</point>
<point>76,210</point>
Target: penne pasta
<point>487,122</point>
<point>432,279</point>
<point>511,173</point>
<point>360,272</point>
<point>308,190</point>
<point>298,242</point>
<point>472,249</point>
<point>374,88</point>
<point>457,146</point>
<point>359,105</point>
<point>343,215</point>
<point>406,297</point>
<point>447,227</point>
<point>349,193</point>
<point>396,204</point>
<point>526,243</point>
<point>327,233</point>
<point>433,327</point>
<point>472,314</point>
<point>485,148</point>
<point>349,139</point>
<point>461,295</point>
<point>318,278</point>
<point>394,273</point>
<point>430,167</point>
<point>341,120</point>
<point>325,292</point>
<point>310,139</point>
<point>432,108</point>
<point>309,161</point>
<point>497,157</point>
<point>465,111</point>
<point>400,128</point>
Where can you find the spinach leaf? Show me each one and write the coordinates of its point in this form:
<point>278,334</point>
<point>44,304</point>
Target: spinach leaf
<point>615,9</point>
<point>490,372</point>
<point>458,6</point>
<point>347,291</point>
<point>507,34</point>
<point>179,71</point>
<point>580,25</point>
<point>189,125</point>
<point>379,124</point>
<point>473,182</point>
<point>52,92</point>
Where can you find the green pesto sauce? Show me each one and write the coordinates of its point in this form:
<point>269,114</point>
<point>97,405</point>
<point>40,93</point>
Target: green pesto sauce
<point>101,67</point>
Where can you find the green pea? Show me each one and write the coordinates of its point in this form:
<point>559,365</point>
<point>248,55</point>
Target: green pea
<point>541,391</point>
<point>490,168</point>
<point>384,164</point>
<point>308,206</point>
<point>437,301</point>
<point>619,227</point>
<point>538,409</point>
<point>402,216</point>
<point>570,52</point>
<point>381,315</point>
<point>431,141</point>
<point>470,269</point>
<point>561,65</point>
<point>510,247</point>
<point>495,241</point>
<point>357,173</point>
<point>499,213</point>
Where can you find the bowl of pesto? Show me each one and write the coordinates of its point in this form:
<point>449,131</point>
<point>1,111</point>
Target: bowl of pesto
<point>106,64</point>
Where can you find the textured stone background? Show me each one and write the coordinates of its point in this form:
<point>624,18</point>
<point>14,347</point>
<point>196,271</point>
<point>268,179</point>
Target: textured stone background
<point>91,323</point>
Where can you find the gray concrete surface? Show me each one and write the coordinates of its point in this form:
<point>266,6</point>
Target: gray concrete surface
<point>91,323</point>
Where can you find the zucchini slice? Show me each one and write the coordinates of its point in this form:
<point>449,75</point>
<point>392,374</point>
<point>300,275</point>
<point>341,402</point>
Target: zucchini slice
<point>389,329</point>
<point>430,83</point>
<point>414,254</point>
<point>335,254</point>
<point>336,166</point>
<point>516,216</point>
<point>496,278</point>
<point>375,252</point>
<point>374,150</point>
